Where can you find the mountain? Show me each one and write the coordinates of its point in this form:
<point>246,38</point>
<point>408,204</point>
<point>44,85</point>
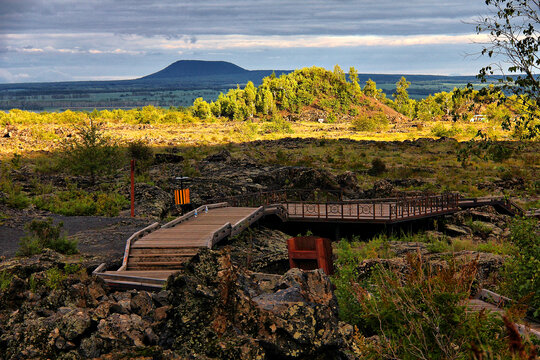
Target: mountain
<point>197,68</point>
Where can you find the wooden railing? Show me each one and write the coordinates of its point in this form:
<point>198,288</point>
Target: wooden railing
<point>306,204</point>
<point>384,210</point>
<point>507,204</point>
<point>134,238</point>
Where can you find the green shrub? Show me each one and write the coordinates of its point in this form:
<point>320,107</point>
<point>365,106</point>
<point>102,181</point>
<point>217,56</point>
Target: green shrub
<point>349,256</point>
<point>29,246</point>
<point>142,153</point>
<point>81,203</point>
<point>375,122</point>
<point>378,167</point>
<point>43,234</point>
<point>440,130</point>
<point>90,152</point>
<point>14,196</point>
<point>54,277</point>
<point>498,152</point>
<point>479,228</point>
<point>423,315</point>
<point>277,125</point>
<point>438,246</point>
<point>522,272</point>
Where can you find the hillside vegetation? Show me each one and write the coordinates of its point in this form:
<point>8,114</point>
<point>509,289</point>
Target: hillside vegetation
<point>307,103</point>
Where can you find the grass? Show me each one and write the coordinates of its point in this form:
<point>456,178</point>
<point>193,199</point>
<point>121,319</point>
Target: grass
<point>379,247</point>
<point>79,202</point>
<point>330,147</point>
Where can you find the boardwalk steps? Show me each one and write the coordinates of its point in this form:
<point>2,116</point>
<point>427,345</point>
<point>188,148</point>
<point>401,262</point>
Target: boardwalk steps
<point>487,300</point>
<point>154,253</point>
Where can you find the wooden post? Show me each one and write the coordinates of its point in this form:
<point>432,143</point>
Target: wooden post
<point>132,188</point>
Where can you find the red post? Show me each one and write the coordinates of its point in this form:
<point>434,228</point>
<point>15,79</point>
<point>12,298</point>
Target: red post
<point>132,188</point>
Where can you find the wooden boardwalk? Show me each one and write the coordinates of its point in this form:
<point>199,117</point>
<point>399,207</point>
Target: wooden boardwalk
<point>155,252</point>
<point>489,301</point>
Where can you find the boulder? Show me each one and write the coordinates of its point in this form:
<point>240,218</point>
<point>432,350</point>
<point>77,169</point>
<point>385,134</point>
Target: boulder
<point>219,310</point>
<point>381,189</point>
<point>222,156</point>
<point>455,230</point>
<point>74,324</point>
<point>142,304</point>
<point>260,250</point>
<point>151,201</point>
<point>487,264</point>
<point>168,158</point>
<point>348,182</point>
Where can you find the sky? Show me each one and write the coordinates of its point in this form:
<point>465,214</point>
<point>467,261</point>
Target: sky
<point>71,40</point>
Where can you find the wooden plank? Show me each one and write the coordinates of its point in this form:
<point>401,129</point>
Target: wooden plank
<point>157,274</point>
<point>176,250</point>
<point>99,269</point>
<point>163,254</point>
<point>194,243</point>
<point>192,214</point>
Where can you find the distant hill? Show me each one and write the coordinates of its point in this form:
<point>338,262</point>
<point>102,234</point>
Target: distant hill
<point>179,84</point>
<point>196,68</point>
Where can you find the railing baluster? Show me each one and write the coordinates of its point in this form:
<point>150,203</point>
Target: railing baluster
<point>326,210</point>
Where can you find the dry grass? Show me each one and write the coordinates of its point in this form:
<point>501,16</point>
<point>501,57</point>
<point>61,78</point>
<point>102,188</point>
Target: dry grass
<point>436,163</point>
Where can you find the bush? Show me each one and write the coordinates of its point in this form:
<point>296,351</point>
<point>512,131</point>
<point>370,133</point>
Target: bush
<point>277,125</point>
<point>43,234</point>
<point>349,256</point>
<point>440,130</point>
<point>142,153</point>
<point>423,315</point>
<point>5,280</point>
<point>13,195</point>
<point>375,122</point>
<point>81,203</point>
<point>378,167</point>
<point>522,272</point>
<point>90,152</point>
<point>498,152</point>
<point>479,228</point>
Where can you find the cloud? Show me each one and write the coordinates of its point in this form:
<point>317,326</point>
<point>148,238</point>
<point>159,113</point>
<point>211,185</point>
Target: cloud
<point>134,37</point>
<point>172,18</point>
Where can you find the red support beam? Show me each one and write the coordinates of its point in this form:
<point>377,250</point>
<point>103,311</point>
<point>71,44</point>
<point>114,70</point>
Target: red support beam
<point>132,188</point>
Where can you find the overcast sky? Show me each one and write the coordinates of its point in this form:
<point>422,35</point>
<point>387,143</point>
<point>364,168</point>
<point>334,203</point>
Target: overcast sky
<point>57,40</point>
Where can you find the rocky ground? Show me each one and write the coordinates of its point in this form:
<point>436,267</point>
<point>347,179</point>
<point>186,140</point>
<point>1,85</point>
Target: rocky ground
<point>454,228</point>
<point>51,308</point>
<point>238,302</point>
<point>222,176</point>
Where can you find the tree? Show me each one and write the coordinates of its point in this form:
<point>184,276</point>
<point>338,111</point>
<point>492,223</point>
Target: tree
<point>513,27</point>
<point>353,76</point>
<point>403,104</point>
<point>201,108</point>
<point>370,89</point>
<point>340,74</point>
<point>91,152</point>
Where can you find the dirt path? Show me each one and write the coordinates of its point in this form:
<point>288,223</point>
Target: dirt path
<point>97,235</point>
